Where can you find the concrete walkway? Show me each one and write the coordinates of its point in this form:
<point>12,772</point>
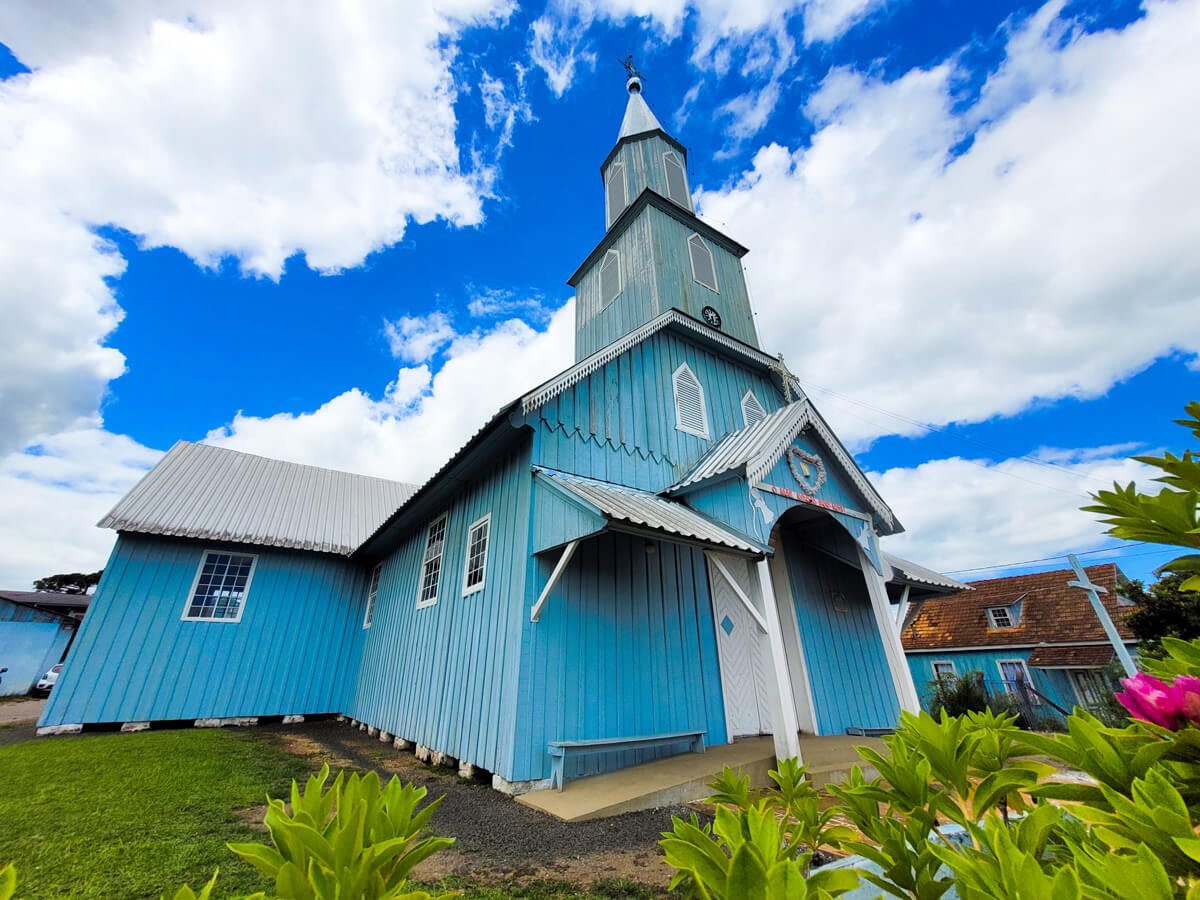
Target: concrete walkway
<point>21,712</point>
<point>686,777</point>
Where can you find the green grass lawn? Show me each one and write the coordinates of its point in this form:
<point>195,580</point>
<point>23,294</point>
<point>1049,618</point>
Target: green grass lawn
<point>134,815</point>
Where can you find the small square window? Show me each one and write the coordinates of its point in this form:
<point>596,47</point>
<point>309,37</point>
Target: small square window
<point>475,568</point>
<point>1001,617</point>
<point>219,592</point>
<point>944,667</point>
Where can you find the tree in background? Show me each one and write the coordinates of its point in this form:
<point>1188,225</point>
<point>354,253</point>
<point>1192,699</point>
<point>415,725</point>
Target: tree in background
<point>1168,517</point>
<point>69,583</point>
<point>1163,610</point>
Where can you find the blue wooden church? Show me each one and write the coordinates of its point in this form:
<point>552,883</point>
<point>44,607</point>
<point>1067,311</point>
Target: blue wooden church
<point>662,548</point>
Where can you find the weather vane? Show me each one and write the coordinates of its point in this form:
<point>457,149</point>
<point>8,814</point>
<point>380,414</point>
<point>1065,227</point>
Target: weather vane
<point>630,69</point>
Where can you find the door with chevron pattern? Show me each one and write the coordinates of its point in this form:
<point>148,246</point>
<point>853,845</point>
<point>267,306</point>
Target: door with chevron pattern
<point>742,649</point>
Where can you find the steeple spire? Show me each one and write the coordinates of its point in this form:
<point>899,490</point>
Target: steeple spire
<point>638,118</point>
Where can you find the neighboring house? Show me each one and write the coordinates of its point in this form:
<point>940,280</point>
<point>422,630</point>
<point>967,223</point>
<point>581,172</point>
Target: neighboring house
<point>665,540</point>
<point>1030,628</point>
<point>36,628</point>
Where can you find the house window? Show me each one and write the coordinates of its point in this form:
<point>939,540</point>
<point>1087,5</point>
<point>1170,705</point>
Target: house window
<point>615,191</point>
<point>691,415</point>
<point>1014,675</point>
<point>1091,688</point>
<point>703,269</point>
<point>752,410</point>
<point>676,179</point>
<point>1001,617</point>
<point>610,277</point>
<point>431,565</point>
<point>477,547</point>
<point>372,593</point>
<point>219,591</point>
<point>944,667</point>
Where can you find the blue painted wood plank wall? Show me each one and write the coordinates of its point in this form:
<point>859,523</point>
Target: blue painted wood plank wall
<point>625,646</point>
<point>847,665</point>
<point>445,675</point>
<point>618,424</point>
<point>293,652</point>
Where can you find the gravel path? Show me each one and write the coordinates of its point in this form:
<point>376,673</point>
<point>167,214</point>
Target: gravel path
<point>496,836</point>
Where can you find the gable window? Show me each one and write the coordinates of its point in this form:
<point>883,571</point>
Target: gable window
<point>944,667</point>
<point>372,593</point>
<point>219,592</point>
<point>752,410</point>
<point>703,269</point>
<point>610,277</point>
<point>1001,617</point>
<point>431,563</point>
<point>691,415</point>
<point>614,188</point>
<point>676,179</point>
<point>475,569</point>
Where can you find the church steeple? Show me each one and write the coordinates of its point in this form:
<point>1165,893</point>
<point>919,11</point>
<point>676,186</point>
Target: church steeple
<point>656,254</point>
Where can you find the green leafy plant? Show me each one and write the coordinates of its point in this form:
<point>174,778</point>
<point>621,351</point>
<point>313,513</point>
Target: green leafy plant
<point>957,694</point>
<point>357,839</point>
<point>186,892</point>
<point>8,882</point>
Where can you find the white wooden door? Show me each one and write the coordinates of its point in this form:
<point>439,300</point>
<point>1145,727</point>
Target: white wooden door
<point>743,651</point>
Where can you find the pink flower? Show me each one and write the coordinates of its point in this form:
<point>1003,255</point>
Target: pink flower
<point>1187,697</point>
<point>1152,700</point>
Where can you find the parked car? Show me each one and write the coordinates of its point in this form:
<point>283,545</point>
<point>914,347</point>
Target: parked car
<point>47,681</point>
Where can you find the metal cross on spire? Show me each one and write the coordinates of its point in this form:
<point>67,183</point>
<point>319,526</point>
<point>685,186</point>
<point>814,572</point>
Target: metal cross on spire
<point>1094,591</point>
<point>779,367</point>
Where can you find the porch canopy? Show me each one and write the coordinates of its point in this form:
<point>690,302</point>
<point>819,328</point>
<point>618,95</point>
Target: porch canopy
<point>572,507</point>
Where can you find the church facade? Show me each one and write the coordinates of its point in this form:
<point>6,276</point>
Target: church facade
<point>665,541</point>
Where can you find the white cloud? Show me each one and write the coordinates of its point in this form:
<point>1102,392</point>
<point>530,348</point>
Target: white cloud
<point>1053,257</point>
<point>490,302</point>
<point>52,495</point>
<point>420,420</point>
<point>418,339</point>
<point>251,131</point>
<point>961,513</point>
<point>505,106</point>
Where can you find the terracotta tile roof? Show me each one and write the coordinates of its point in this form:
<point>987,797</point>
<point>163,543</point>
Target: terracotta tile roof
<point>1072,657</point>
<point>1051,612</point>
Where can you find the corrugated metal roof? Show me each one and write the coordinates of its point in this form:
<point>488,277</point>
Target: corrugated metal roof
<point>910,571</point>
<point>635,507</point>
<point>213,493</point>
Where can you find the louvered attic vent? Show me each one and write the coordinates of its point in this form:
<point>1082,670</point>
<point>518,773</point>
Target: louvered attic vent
<point>752,410</point>
<point>676,179</point>
<point>703,269</point>
<point>615,191</point>
<point>691,415</point>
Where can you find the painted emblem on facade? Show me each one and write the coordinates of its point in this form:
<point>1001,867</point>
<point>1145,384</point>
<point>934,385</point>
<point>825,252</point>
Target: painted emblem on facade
<point>807,468</point>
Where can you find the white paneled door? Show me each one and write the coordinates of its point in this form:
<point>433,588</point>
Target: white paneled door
<point>742,648</point>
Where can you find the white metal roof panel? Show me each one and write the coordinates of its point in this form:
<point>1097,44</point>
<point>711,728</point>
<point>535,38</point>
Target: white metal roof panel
<point>213,493</point>
<point>638,117</point>
<point>635,507</point>
<point>904,570</point>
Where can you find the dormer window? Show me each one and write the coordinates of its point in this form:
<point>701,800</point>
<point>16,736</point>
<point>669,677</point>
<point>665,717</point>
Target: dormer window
<point>691,414</point>
<point>703,269</point>
<point>615,191</point>
<point>610,277</point>
<point>676,179</point>
<point>1002,617</point>
<point>752,410</point>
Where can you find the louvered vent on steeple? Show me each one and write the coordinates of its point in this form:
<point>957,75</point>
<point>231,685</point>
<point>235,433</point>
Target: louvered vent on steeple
<point>610,277</point>
<point>676,179</point>
<point>703,269</point>
<point>618,197</point>
<point>691,415</point>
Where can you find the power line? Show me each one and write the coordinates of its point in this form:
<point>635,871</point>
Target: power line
<point>1046,559</point>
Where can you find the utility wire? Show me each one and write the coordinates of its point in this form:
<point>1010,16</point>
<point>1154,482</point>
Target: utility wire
<point>1047,559</point>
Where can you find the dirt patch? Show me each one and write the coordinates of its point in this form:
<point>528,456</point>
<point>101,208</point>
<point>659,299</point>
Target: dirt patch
<point>252,817</point>
<point>496,838</point>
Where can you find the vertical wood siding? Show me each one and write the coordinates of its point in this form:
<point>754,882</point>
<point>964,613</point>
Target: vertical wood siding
<point>643,161</point>
<point>293,652</point>
<point>31,642</point>
<point>625,646</point>
<point>444,676</point>
<point>618,424</point>
<point>847,668</point>
<point>1051,682</point>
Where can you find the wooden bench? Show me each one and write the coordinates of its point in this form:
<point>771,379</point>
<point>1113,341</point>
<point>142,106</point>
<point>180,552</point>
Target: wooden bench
<point>560,750</point>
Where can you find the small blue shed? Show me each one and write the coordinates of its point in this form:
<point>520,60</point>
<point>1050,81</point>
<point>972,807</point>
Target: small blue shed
<point>36,628</point>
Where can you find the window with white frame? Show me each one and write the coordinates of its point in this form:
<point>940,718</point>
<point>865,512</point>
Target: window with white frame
<point>610,277</point>
<point>703,269</point>
<point>219,590</point>
<point>615,191</point>
<point>1014,674</point>
<point>372,593</point>
<point>691,414</point>
<point>431,563</point>
<point>1001,617</point>
<point>944,667</point>
<point>676,179</point>
<point>475,567</point>
<point>752,410</point>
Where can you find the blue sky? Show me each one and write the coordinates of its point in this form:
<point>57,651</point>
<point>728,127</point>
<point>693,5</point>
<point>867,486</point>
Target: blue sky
<point>343,238</point>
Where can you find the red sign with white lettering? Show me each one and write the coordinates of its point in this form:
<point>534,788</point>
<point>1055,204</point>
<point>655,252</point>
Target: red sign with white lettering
<point>805,498</point>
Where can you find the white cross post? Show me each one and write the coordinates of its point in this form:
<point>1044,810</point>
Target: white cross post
<point>1094,591</point>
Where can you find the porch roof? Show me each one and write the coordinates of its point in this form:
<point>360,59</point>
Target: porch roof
<point>1095,657</point>
<point>907,572</point>
<point>641,509</point>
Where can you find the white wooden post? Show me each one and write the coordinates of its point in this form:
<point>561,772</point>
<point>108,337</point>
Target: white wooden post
<point>906,691</point>
<point>1094,591</point>
<point>784,725</point>
<point>902,606</point>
